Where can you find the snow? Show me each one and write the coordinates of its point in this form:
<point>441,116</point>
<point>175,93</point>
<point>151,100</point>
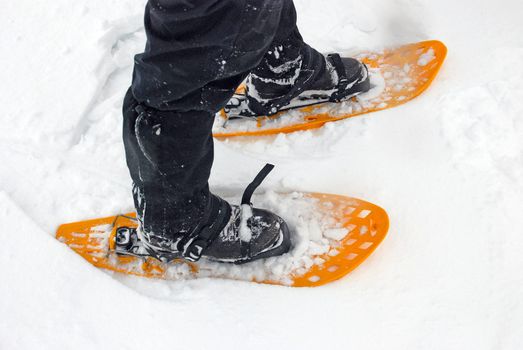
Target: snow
<point>245,231</point>
<point>448,168</point>
<point>336,234</point>
<point>426,58</point>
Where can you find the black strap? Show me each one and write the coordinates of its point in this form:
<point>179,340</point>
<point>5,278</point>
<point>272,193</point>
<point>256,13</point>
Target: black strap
<point>247,194</point>
<point>220,210</point>
<point>343,81</point>
<point>246,199</point>
<point>202,237</point>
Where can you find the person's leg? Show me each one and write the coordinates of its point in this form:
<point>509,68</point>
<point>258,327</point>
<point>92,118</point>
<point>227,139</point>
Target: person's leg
<point>291,67</point>
<point>169,155</point>
<point>197,53</point>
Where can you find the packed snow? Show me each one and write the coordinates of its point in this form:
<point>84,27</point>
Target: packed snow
<point>447,167</point>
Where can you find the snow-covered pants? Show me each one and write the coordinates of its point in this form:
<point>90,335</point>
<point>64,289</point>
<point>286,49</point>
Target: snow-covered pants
<point>197,54</point>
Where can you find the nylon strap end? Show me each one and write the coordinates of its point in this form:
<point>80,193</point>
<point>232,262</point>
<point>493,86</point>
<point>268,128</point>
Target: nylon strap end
<point>249,191</point>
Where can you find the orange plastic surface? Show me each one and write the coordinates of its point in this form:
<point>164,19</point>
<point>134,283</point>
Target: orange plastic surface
<point>366,224</point>
<point>407,70</point>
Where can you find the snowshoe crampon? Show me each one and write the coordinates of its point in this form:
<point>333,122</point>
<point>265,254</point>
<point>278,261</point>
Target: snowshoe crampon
<point>348,231</point>
<point>398,75</point>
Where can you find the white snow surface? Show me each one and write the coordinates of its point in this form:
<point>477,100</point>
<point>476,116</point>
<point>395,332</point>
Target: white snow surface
<point>448,168</point>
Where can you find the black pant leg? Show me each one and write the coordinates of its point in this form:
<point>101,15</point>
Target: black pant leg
<point>169,160</point>
<point>197,53</point>
<point>289,67</point>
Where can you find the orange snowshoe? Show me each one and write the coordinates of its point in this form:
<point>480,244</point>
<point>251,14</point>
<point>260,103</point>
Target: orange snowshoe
<point>398,75</point>
<point>342,235</point>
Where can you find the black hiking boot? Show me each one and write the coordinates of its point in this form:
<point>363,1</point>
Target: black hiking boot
<point>343,79</point>
<point>227,234</point>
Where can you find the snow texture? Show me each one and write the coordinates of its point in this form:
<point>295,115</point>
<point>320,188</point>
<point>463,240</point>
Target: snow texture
<point>448,168</point>
<point>245,231</point>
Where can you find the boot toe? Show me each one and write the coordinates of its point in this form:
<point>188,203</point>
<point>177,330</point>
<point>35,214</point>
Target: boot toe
<point>271,236</point>
<point>353,67</point>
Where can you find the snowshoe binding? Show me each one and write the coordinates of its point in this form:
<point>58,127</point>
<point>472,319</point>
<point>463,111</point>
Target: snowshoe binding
<point>227,234</point>
<point>345,79</point>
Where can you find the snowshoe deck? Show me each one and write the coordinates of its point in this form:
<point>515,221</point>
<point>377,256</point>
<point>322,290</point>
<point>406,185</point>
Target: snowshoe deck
<point>356,230</point>
<point>403,72</point>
